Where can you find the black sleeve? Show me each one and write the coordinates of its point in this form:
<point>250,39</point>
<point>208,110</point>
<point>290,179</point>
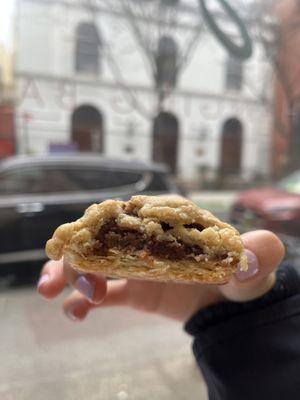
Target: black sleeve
<point>252,350</point>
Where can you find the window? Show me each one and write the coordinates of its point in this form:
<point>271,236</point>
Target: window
<point>99,179</point>
<point>59,180</point>
<point>170,3</point>
<point>158,183</point>
<point>291,184</point>
<point>166,140</point>
<point>231,147</point>
<point>234,74</point>
<point>128,149</point>
<point>21,181</point>
<point>35,181</point>
<point>166,63</point>
<point>88,128</point>
<point>88,49</point>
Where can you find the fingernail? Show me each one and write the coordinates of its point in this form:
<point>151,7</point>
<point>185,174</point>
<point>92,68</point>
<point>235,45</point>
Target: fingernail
<point>253,267</point>
<point>43,279</point>
<point>85,287</point>
<point>70,314</point>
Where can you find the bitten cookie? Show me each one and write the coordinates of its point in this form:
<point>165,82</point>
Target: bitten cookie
<point>155,238</point>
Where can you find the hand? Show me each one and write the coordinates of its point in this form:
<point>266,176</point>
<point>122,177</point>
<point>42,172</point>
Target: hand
<point>180,301</point>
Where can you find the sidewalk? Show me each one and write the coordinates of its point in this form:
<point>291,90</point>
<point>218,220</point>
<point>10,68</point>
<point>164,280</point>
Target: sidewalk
<point>214,200</point>
<point>116,354</point>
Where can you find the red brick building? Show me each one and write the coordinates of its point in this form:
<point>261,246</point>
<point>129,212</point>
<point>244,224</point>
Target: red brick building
<point>7,131</point>
<point>286,134</point>
<point>7,146</point>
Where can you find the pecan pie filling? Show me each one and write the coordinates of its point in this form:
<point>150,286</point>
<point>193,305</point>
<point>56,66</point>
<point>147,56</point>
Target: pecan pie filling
<point>112,236</point>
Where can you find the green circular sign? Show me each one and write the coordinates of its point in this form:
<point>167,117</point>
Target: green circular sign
<point>243,51</point>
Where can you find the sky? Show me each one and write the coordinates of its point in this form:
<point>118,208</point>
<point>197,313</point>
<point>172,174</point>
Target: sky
<point>6,8</point>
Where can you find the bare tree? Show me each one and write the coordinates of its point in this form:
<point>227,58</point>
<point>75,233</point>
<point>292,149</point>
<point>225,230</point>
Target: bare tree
<point>167,32</point>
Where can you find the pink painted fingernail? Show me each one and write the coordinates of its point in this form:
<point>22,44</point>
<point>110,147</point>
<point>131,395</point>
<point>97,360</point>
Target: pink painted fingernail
<point>70,314</point>
<point>253,267</point>
<point>85,287</point>
<point>43,279</point>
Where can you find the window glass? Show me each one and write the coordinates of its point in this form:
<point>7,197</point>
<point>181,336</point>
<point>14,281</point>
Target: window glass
<point>166,62</point>
<point>22,181</point>
<point>234,74</point>
<point>158,183</point>
<point>88,46</point>
<point>50,180</point>
<point>98,179</point>
<point>35,180</point>
<point>291,184</point>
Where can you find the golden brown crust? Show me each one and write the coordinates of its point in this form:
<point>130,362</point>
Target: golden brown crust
<point>145,214</point>
<point>124,266</point>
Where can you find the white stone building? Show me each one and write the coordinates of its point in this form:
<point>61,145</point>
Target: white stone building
<point>82,79</point>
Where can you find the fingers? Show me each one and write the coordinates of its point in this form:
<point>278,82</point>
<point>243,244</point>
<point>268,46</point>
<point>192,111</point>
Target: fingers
<point>92,286</point>
<point>265,252</point>
<point>55,275</point>
<point>269,252</point>
<point>52,280</point>
<point>263,249</point>
<point>76,306</point>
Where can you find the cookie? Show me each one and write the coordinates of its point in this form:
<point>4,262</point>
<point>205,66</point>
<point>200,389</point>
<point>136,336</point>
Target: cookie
<point>155,238</point>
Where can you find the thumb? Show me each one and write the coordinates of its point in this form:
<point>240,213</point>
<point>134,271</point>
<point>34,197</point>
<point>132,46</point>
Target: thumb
<point>265,252</point>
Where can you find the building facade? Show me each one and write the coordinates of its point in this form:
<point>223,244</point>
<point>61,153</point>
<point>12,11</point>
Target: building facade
<point>7,139</point>
<point>83,83</point>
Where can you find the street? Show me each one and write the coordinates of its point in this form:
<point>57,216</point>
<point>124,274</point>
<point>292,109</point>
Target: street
<point>115,354</point>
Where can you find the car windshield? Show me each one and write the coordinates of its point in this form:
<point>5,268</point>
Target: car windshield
<point>105,100</point>
<point>291,184</point>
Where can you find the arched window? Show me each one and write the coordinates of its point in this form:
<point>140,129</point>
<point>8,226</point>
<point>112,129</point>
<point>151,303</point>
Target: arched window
<point>231,147</point>
<point>87,128</point>
<point>166,63</point>
<point>165,140</point>
<point>88,49</point>
<point>234,74</point>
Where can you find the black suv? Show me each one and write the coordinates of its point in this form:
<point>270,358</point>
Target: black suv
<point>39,193</point>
